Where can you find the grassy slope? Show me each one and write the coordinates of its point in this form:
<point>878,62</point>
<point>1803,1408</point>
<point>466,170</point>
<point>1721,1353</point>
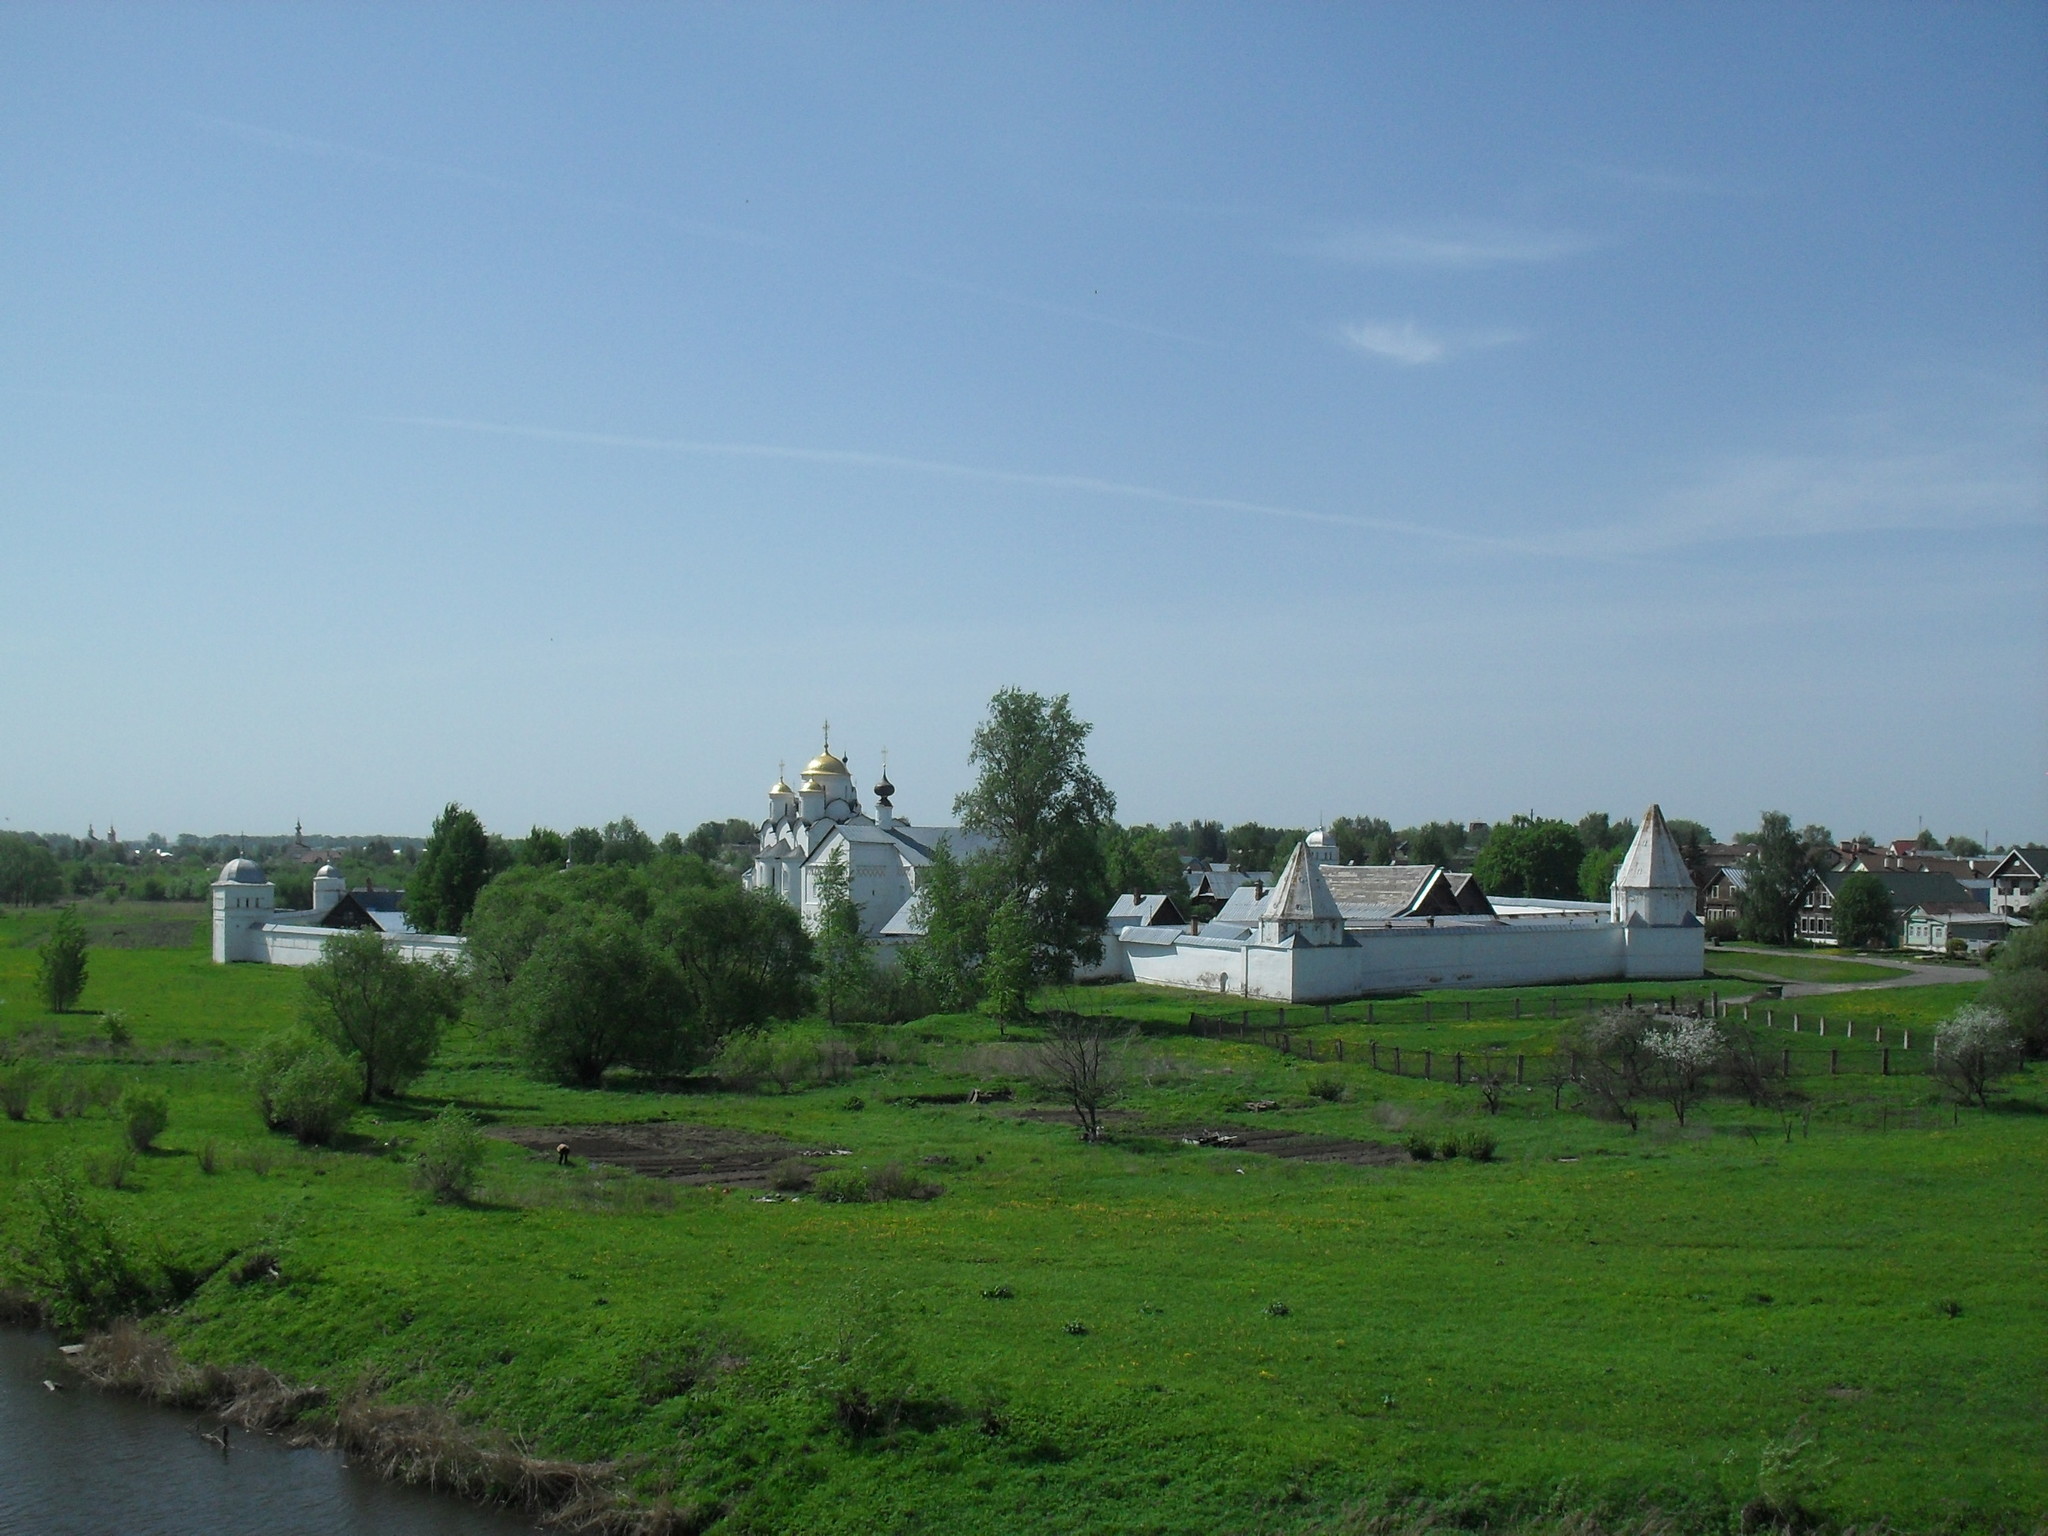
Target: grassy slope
<point>1777,965</point>
<point>1513,1326</point>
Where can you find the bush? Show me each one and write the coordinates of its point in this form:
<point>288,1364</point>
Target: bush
<point>1327,1086</point>
<point>144,1114</point>
<point>792,1175</point>
<point>19,1080</point>
<point>1420,1147</point>
<point>1478,1145</point>
<point>451,1155</point>
<point>1973,1050</point>
<point>892,1181</point>
<point>209,1156</point>
<point>115,1024</point>
<point>1449,1147</point>
<point>843,1186</point>
<point>110,1168</point>
<point>2021,994</point>
<point>743,1062</point>
<point>303,1085</point>
<point>77,1261</point>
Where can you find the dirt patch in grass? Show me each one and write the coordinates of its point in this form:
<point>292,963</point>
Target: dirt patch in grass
<point>1302,1146</point>
<point>689,1154</point>
<point>171,933</point>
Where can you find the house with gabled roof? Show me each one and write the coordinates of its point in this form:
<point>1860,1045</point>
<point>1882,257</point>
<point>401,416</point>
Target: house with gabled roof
<point>1908,888</point>
<point>2017,877</point>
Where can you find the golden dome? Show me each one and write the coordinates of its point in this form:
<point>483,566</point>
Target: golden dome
<point>781,787</point>
<point>823,763</point>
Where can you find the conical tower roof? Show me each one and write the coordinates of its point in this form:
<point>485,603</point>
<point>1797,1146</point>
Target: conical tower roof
<point>1300,895</point>
<point>1654,860</point>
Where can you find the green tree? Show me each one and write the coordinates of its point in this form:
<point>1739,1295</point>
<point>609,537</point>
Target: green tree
<point>942,961</point>
<point>1774,874</point>
<point>586,845</point>
<point>1596,873</point>
<point>1142,861</point>
<point>61,964</point>
<point>624,843</point>
<point>145,1113</point>
<point>1435,842</point>
<point>1863,914</point>
<point>80,1263</point>
<point>597,993</point>
<point>387,1012</point>
<point>1363,840</point>
<point>1963,847</point>
<point>451,1155</point>
<point>544,849</point>
<point>454,866</point>
<point>1044,809</point>
<point>744,956</point>
<point>1006,969</point>
<point>1531,857</point>
<point>846,962</point>
<point>2019,985</point>
<point>29,873</point>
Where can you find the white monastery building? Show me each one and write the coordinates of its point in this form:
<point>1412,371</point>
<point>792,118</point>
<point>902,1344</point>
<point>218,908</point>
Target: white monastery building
<point>821,821</point>
<point>1323,931</point>
<point>248,926</point>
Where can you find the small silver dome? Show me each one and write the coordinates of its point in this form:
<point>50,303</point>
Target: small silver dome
<point>326,872</point>
<point>242,872</point>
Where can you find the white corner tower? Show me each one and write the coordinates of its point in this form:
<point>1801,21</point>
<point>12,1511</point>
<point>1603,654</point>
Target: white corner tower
<point>328,886</point>
<point>243,901</point>
<point>1301,908</point>
<point>1653,886</point>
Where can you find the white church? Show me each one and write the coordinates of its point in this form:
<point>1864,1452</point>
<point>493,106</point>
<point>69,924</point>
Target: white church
<point>821,820</point>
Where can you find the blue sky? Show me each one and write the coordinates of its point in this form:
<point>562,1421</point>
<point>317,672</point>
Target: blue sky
<point>1425,411</point>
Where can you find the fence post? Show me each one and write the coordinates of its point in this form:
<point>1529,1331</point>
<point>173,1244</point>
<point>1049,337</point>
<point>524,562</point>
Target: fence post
<point>1458,1065</point>
<point>1247,1023</point>
<point>1785,1061</point>
<point>1368,1012</point>
<point>1907,1043</point>
<point>1880,1034</point>
<point>1629,1000</point>
<point>1425,1010</point>
<point>1553,1005</point>
<point>1745,1013</point>
<point>1849,1028</point>
<point>1518,1007</point>
<point>1834,1062</point>
<point>1397,1061</point>
<point>1429,1063</point>
<point>1885,1067</point>
<point>1372,1054</point>
<point>1770,1018</point>
<point>1518,1070</point>
<point>1468,1013</point>
<point>1340,1050</point>
<point>1282,1022</point>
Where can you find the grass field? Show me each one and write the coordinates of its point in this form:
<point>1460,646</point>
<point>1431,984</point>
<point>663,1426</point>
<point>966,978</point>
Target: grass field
<point>1195,1339</point>
<point>1773,965</point>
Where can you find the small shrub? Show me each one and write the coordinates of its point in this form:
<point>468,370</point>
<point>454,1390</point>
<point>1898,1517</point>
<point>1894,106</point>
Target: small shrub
<point>209,1156</point>
<point>110,1168</point>
<point>1327,1086</point>
<point>1449,1147</point>
<point>892,1181</point>
<point>19,1080</point>
<point>61,964</point>
<point>303,1085</point>
<point>1077,1329</point>
<point>1478,1145</point>
<point>854,1103</point>
<point>1278,1309</point>
<point>115,1023</point>
<point>77,1262</point>
<point>998,1293</point>
<point>145,1112</point>
<point>257,1159</point>
<point>790,1063</point>
<point>64,1096</point>
<point>450,1156</point>
<point>742,1062</point>
<point>791,1175</point>
<point>1948,1306</point>
<point>843,1186</point>
<point>1420,1147</point>
<point>259,1265</point>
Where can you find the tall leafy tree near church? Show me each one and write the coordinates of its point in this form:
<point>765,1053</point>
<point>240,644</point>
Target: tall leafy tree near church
<point>454,866</point>
<point>1045,810</point>
<point>1772,876</point>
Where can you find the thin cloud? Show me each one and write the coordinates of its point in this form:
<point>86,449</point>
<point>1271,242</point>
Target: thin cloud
<point>1461,248</point>
<point>1089,485</point>
<point>1409,345</point>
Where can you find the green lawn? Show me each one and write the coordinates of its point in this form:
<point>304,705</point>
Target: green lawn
<point>1596,1318</point>
<point>1776,965</point>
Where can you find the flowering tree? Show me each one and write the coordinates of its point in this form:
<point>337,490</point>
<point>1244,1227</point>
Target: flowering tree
<point>1686,1053</point>
<point>1975,1047</point>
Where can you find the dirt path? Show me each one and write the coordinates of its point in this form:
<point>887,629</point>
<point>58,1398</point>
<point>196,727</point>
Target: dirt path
<point>689,1154</point>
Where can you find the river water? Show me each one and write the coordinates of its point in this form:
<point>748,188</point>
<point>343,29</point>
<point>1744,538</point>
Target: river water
<point>81,1462</point>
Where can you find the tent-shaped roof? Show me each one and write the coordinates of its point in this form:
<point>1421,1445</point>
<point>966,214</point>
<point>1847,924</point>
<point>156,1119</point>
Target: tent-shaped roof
<point>1299,896</point>
<point>1653,862</point>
